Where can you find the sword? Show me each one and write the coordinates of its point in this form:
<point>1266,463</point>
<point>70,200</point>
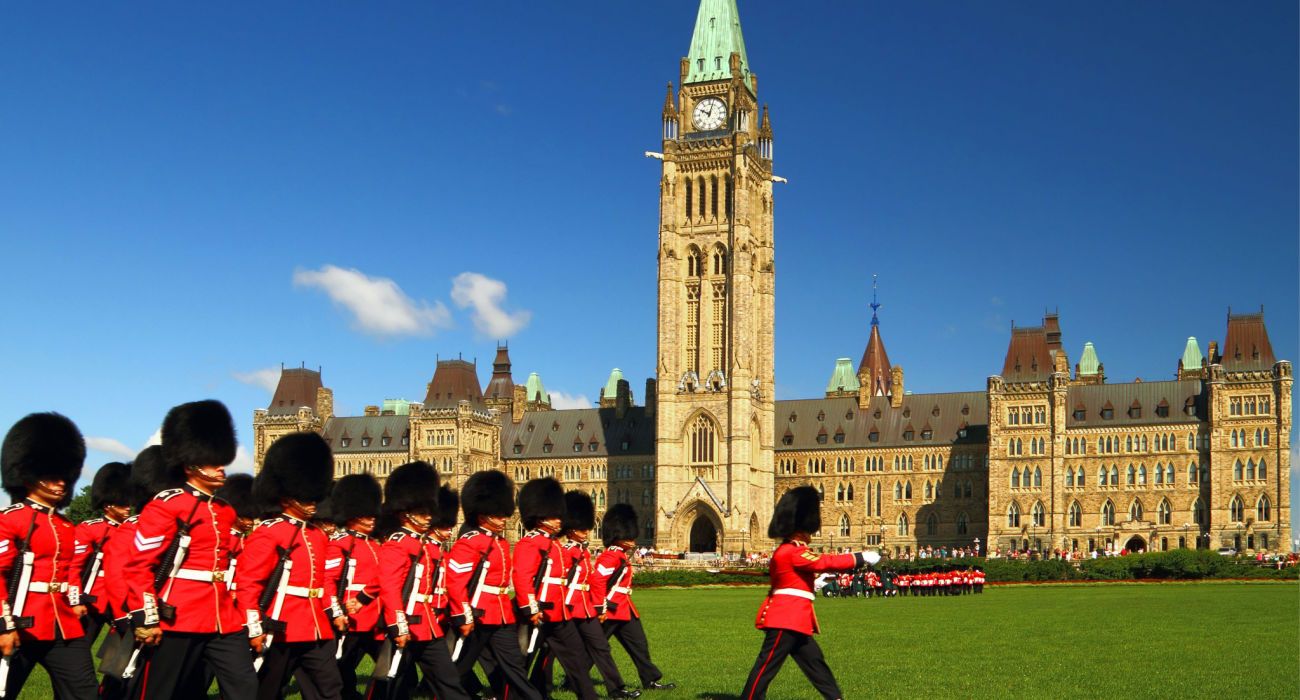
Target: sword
<point>89,584</point>
<point>275,611</point>
<point>473,604</point>
<point>410,610</point>
<point>130,664</point>
<point>541,595</point>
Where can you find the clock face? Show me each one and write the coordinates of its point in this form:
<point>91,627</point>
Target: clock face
<point>709,114</point>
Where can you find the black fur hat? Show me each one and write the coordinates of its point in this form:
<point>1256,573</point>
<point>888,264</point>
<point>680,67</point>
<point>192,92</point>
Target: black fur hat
<point>487,493</point>
<point>799,510</point>
<point>197,434</point>
<point>448,505</point>
<point>298,466</point>
<point>41,446</point>
<point>539,500</point>
<point>111,487</point>
<point>412,487</point>
<point>149,475</point>
<point>355,496</point>
<point>238,492</point>
<point>619,523</point>
<point>579,512</point>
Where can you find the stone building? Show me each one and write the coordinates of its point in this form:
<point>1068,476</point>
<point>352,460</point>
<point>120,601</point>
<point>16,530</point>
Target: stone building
<point>1042,457</point>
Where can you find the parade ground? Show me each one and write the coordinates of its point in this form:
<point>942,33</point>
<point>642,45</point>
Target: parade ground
<point>1224,639</point>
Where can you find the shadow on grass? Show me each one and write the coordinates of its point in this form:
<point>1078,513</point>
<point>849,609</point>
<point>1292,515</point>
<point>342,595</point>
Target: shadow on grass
<point>718,696</point>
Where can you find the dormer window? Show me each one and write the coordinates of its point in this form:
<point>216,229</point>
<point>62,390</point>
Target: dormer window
<point>793,417</point>
<point>530,427</point>
<point>1080,413</point>
<point>591,446</point>
<point>908,434</point>
<point>385,441</point>
<point>821,439</point>
<point>874,436</point>
<point>1135,411</point>
<point>1107,413</point>
<point>717,63</point>
<point>927,434</point>
<point>700,63</point>
<point>821,416</point>
<point>839,437</point>
<point>518,449</point>
<point>787,439</point>
<point>546,447</point>
<point>344,442</point>
<point>1162,410</point>
<point>577,447</point>
<point>624,445</point>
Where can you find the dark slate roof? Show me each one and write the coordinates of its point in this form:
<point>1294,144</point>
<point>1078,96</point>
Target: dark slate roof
<point>584,425</point>
<point>1146,395</point>
<point>373,427</point>
<point>942,414</point>
<point>502,385</point>
<point>1246,346</point>
<point>1029,357</point>
<point>297,388</point>
<point>454,381</point>
<point>875,361</point>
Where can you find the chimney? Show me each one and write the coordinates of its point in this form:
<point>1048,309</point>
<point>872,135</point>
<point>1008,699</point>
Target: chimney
<point>896,386</point>
<point>324,404</point>
<point>518,401</point>
<point>372,411</point>
<point>651,399</point>
<point>623,399</point>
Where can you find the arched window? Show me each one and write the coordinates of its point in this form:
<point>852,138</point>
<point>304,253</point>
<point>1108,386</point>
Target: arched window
<point>700,182</point>
<point>839,493</point>
<point>821,492</point>
<point>849,491</point>
<point>1237,470</point>
<point>1132,475</point>
<point>1263,510</point>
<point>1015,478</point>
<point>1114,475</point>
<point>844,525</point>
<point>1169,474</point>
<point>907,490</point>
<point>932,524</point>
<point>713,195</point>
<point>1128,443</point>
<point>1040,515</point>
<point>703,438</point>
<point>1142,475</point>
<point>1013,515</point>
<point>1191,473</point>
<point>1108,513</point>
<point>1250,469</point>
<point>729,197</point>
<point>1079,481</point>
<point>969,488</point>
<point>1263,469</point>
<point>1236,510</point>
<point>963,522</point>
<point>1258,435</point>
<point>1038,478</point>
<point>1135,510</point>
<point>689,198</point>
<point>1160,474</point>
<point>1198,512</point>
<point>902,524</point>
<point>1101,477</point>
<point>1076,515</point>
<point>1265,443</point>
<point>1069,476</point>
<point>719,261</point>
<point>1164,512</point>
<point>898,491</point>
<point>929,491</point>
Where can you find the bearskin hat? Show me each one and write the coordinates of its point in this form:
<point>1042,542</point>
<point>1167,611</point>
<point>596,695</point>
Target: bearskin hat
<point>487,493</point>
<point>448,505</point>
<point>149,475</point>
<point>618,524</point>
<point>799,510</point>
<point>198,434</point>
<point>541,499</point>
<point>579,512</point>
<point>238,492</point>
<point>355,496</point>
<point>298,466</point>
<point>41,446</point>
<point>111,487</point>
<point>412,487</point>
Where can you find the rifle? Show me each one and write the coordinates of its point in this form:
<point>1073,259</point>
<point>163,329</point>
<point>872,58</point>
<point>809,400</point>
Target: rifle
<point>478,576</point>
<point>569,583</point>
<point>612,584</point>
<point>171,562</point>
<point>345,582</point>
<point>409,590</point>
<point>90,572</point>
<point>539,581</point>
<point>273,598</point>
<point>18,582</point>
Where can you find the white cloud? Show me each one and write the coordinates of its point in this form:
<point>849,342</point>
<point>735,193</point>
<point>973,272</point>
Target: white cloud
<point>110,446</point>
<point>155,439</point>
<point>266,378</point>
<point>486,295</point>
<point>378,305</point>
<point>243,463</point>
<point>560,400</point>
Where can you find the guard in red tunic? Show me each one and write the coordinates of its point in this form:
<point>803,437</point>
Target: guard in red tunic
<point>281,577</point>
<point>579,519</point>
<point>540,588</point>
<point>110,496</point>
<point>238,492</point>
<point>611,588</point>
<point>478,575</point>
<point>352,564</point>
<point>786,616</point>
<point>181,610</point>
<point>408,566</point>
<point>40,612</point>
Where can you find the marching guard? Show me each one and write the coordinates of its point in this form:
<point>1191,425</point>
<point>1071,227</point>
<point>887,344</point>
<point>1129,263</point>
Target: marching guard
<point>787,617</point>
<point>612,591</point>
<point>352,564</point>
<point>40,462</point>
<point>289,603</point>
<point>478,574</point>
<point>238,493</point>
<point>110,496</point>
<point>540,589</point>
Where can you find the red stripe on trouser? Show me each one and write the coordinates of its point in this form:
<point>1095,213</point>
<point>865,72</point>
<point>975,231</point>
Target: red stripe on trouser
<point>763,668</point>
<point>144,679</point>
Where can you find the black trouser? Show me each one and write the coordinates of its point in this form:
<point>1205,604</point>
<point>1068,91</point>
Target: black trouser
<point>320,678</point>
<point>356,645</point>
<point>175,668</point>
<point>598,652</point>
<point>68,662</point>
<point>566,645</point>
<point>502,646</point>
<point>632,636</point>
<point>779,644</point>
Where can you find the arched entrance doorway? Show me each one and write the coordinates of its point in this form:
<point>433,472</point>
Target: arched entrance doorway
<point>704,535</point>
<point>1135,544</point>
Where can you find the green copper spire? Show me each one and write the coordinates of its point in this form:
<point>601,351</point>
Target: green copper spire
<point>1192,355</point>
<point>843,378</point>
<point>1089,364</point>
<point>534,391</point>
<point>717,35</point>
<point>611,385</point>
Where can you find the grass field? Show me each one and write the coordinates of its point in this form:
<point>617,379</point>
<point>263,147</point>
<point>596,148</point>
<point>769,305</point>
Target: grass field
<point>1110,640</point>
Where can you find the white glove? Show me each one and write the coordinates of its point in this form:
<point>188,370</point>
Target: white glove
<point>870,556</point>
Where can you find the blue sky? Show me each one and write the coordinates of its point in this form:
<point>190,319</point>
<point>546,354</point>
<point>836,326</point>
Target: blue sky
<point>183,187</point>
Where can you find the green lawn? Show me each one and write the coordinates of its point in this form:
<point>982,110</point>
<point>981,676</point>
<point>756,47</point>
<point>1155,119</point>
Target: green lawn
<point>1111,640</point>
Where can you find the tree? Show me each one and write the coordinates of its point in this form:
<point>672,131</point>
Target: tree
<point>79,509</point>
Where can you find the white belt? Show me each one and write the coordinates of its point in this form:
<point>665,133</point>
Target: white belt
<point>48,587</point>
<point>554,581</point>
<point>356,587</point>
<point>440,591</point>
<point>422,597</point>
<point>491,590</point>
<point>623,589</point>
<point>201,575</point>
<point>796,592</point>
<point>304,592</point>
<point>581,587</point>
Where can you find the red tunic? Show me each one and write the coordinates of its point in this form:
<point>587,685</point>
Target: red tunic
<point>536,551</point>
<point>92,537</point>
<point>578,570</point>
<point>614,597</point>
<point>345,546</point>
<point>52,543</point>
<point>203,603</point>
<point>308,596</point>
<point>116,554</point>
<point>403,550</point>
<point>493,605</point>
<point>789,603</point>
<point>441,603</point>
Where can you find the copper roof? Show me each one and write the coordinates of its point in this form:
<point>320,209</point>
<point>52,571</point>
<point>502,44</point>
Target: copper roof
<point>876,363</point>
<point>1246,346</point>
<point>1029,354</point>
<point>502,385</point>
<point>297,388</point>
<point>942,419</point>
<point>454,381</point>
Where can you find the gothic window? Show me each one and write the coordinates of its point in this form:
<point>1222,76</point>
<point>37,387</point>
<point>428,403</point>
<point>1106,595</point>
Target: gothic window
<point>1101,477</point>
<point>932,524</point>
<point>902,524</point>
<point>1015,478</point>
<point>701,209</point>
<point>1108,513</point>
<point>844,526</point>
<point>1160,474</point>
<point>1263,470</point>
<point>1076,515</point>
<point>1114,475</point>
<point>1237,469</point>
<point>969,488</point>
<point>1013,515</point>
<point>729,195</point>
<point>719,305</point>
<point>1198,512</point>
<point>907,491</point>
<point>1135,510</point>
<point>1039,515</point>
<point>849,492</point>
<point>898,491</point>
<point>713,197</point>
<point>1250,470</point>
<point>703,439</point>
<point>1142,475</point>
<point>1132,475</point>
<point>1169,474</point>
<point>1069,477</point>
<point>1164,512</point>
<point>929,491</point>
<point>839,493</point>
<point>1038,478</point>
<point>1079,481</point>
<point>1265,443</point>
<point>693,328</point>
<point>689,200</point>
<point>962,523</point>
<point>1263,509</point>
<point>1236,510</point>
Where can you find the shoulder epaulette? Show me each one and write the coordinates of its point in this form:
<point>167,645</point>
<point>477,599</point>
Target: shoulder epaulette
<point>338,536</point>
<point>397,536</point>
<point>471,533</point>
<point>96,521</point>
<point>168,494</point>
<point>272,521</point>
<point>14,507</point>
<point>132,519</point>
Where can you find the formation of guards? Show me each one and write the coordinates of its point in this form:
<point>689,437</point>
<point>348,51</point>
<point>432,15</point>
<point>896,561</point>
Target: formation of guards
<point>884,584</point>
<point>252,582</point>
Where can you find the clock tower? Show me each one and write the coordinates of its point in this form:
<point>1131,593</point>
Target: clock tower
<point>714,390</point>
